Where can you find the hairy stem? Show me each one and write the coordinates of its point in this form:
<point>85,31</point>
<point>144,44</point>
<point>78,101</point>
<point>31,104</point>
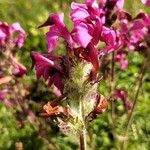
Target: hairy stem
<point>83,130</point>
<point>141,76</point>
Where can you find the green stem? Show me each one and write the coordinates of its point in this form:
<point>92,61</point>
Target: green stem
<point>111,92</point>
<point>141,76</point>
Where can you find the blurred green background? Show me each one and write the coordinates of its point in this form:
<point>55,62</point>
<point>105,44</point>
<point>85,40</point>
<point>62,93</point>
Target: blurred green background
<point>30,14</point>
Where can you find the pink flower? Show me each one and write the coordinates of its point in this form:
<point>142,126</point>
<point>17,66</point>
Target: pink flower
<point>134,31</point>
<point>87,26</point>
<point>47,67</point>
<point>18,69</point>
<point>121,58</point>
<point>20,38</point>
<point>7,35</point>
<point>57,29</point>
<point>122,95</point>
<point>112,39</point>
<point>146,2</point>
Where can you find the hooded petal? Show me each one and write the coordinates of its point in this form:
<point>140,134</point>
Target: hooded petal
<point>52,38</point>
<point>57,29</point>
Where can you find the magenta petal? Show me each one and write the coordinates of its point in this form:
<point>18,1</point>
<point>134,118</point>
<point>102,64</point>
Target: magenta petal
<point>146,2</point>
<point>52,37</point>
<point>82,36</point>
<point>109,36</point>
<point>53,19</point>
<point>56,79</point>
<point>19,70</point>
<point>120,4</point>
<point>57,29</point>
<point>79,11</point>
<point>20,40</point>
<point>137,25</point>
<point>89,2</point>
<point>78,5</point>
<point>97,31</point>
<point>4,34</point>
<point>93,56</point>
<point>58,82</point>
<point>56,91</point>
<point>79,14</point>
<point>17,28</point>
<point>42,64</point>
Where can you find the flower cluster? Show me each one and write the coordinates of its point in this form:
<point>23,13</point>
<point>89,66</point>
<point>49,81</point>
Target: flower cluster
<point>12,91</point>
<point>11,35</point>
<point>99,28</point>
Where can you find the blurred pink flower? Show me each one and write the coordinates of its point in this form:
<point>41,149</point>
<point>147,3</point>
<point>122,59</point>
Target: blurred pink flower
<point>134,31</point>
<point>18,69</point>
<point>146,2</point>
<point>5,98</point>
<point>121,58</point>
<point>4,33</point>
<point>20,38</point>
<point>7,35</point>
<point>122,95</point>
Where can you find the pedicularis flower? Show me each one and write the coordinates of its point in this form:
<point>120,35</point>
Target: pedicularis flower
<point>12,91</point>
<point>99,28</point>
<point>12,37</point>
